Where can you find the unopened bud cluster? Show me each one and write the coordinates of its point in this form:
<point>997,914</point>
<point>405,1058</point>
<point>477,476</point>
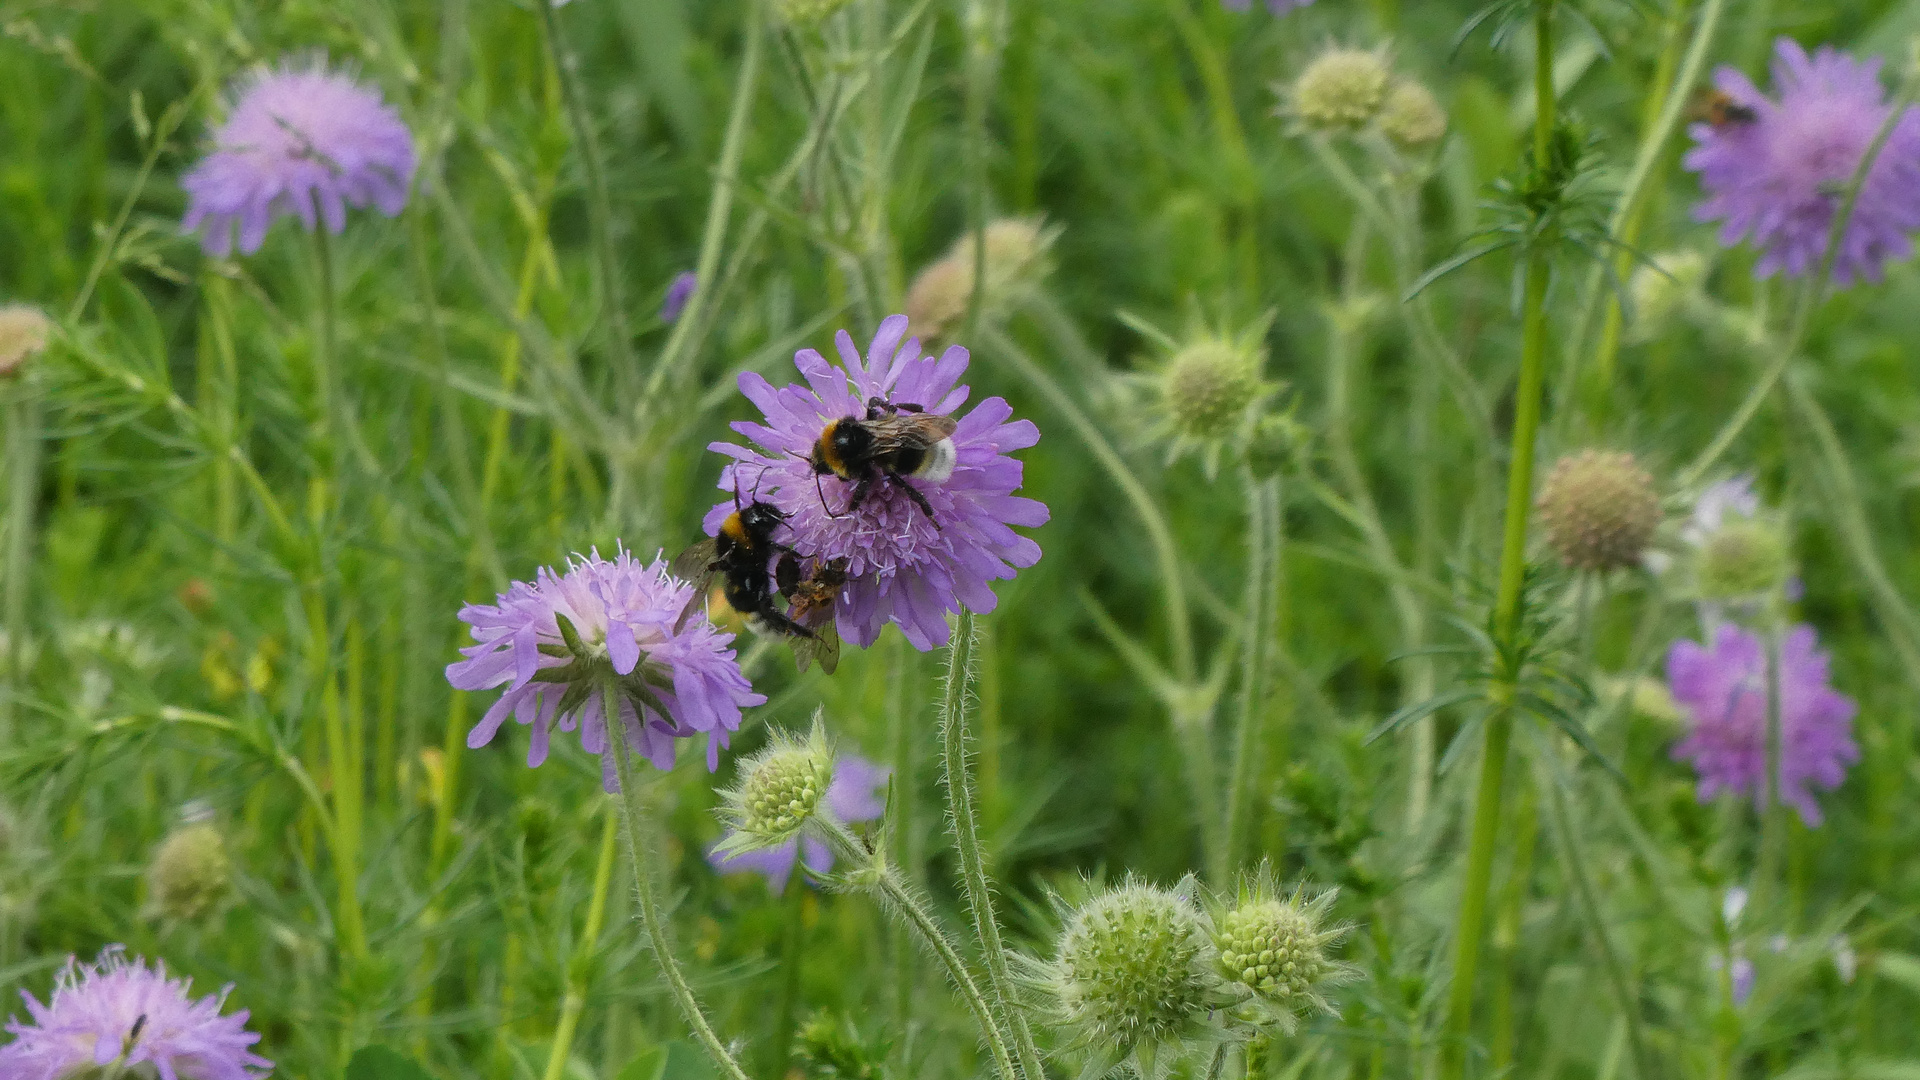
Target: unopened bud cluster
<point>23,333</point>
<point>779,791</point>
<point>807,12</point>
<point>1599,510</point>
<point>1346,90</point>
<point>1208,385</point>
<point>1016,259</point>
<point>1133,967</point>
<point>1272,948</point>
<point>190,874</point>
<point>1744,558</point>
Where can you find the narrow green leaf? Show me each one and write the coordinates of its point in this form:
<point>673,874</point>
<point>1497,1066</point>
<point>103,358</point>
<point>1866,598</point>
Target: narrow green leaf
<point>378,1062</point>
<point>1420,709</point>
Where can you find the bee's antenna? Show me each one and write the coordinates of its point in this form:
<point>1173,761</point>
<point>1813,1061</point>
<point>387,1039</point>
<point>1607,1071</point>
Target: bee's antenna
<point>755,497</point>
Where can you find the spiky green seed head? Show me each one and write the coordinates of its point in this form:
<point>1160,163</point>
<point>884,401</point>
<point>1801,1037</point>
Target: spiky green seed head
<point>190,873</point>
<point>1273,444</point>
<point>1342,89</point>
<point>23,334</point>
<point>1744,558</point>
<point>1411,116</point>
<point>1207,387</point>
<point>1272,948</point>
<point>779,791</point>
<point>807,12</point>
<point>1599,510</point>
<point>1133,969</point>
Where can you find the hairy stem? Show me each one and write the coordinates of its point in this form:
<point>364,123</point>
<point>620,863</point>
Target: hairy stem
<point>964,821</point>
<point>23,491</point>
<point>900,898</point>
<point>641,852</point>
<point>1262,540</point>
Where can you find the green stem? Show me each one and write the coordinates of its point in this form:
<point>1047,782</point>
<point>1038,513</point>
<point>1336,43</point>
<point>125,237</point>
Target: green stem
<point>981,26</point>
<point>1574,859</point>
<point>323,352</point>
<point>725,185</point>
<point>1507,603</point>
<point>350,925</point>
<point>964,821</point>
<point>1172,581</point>
<point>1262,524</point>
<point>599,207</point>
<point>652,919</point>
<point>23,491</point>
<point>900,664</point>
<point>579,969</point>
<point>900,898</point>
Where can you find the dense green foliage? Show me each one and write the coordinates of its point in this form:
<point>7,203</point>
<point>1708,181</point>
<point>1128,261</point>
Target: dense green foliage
<point>236,604</point>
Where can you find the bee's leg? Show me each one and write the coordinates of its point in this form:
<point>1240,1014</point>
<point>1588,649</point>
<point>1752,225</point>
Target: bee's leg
<point>907,406</point>
<point>861,490</point>
<point>919,499</point>
<point>779,623</point>
<point>878,407</point>
<point>823,497</point>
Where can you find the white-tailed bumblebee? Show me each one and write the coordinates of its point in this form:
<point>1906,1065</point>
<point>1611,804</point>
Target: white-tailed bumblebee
<point>810,596</point>
<point>892,442</point>
<point>1718,110</point>
<point>743,552</point>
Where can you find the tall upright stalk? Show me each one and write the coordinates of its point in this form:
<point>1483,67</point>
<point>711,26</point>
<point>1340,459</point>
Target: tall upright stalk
<point>1507,604</point>
<point>23,484</point>
<point>963,819</point>
<point>1262,540</point>
<point>640,852</point>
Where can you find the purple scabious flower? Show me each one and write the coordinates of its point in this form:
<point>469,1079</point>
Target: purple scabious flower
<point>1774,173</point>
<point>119,1011</point>
<point>678,294</point>
<point>901,568</point>
<point>1723,689</point>
<point>305,141</point>
<point>557,642</point>
<point>856,793</point>
<point>1278,7</point>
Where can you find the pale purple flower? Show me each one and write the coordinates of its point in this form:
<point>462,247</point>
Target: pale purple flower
<point>901,567</point>
<point>301,140</point>
<point>678,294</point>
<point>1723,689</point>
<point>1777,176</point>
<point>116,1010</point>
<point>675,680</point>
<point>1278,7</point>
<point>1741,978</point>
<point>1728,498</point>
<point>857,792</point>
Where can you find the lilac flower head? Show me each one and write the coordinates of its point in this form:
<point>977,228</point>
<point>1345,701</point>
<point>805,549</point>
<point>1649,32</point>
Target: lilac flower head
<point>901,567</point>
<point>556,642</point>
<point>856,793</point>
<point>678,294</point>
<point>1728,498</point>
<point>1278,7</point>
<point>305,141</point>
<point>115,1010</point>
<point>1723,689</point>
<point>1773,173</point>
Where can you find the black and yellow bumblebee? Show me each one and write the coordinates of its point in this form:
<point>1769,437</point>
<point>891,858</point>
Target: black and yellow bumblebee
<point>1718,110</point>
<point>810,597</point>
<point>892,442</point>
<point>743,551</point>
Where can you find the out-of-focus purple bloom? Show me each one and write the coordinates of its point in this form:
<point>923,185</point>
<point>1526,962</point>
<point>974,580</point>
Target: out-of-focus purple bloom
<point>675,681</point>
<point>116,1010</point>
<point>1278,7</point>
<point>1742,977</point>
<point>856,793</point>
<point>1724,691</point>
<point>901,567</point>
<point>678,294</point>
<point>1734,497</point>
<point>304,141</point>
<point>1777,176</point>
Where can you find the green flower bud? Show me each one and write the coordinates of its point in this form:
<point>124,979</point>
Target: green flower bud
<point>1272,446</point>
<point>1207,387</point>
<point>1342,89</point>
<point>1663,290</point>
<point>1745,557</point>
<point>779,791</point>
<point>1016,261</point>
<point>1272,948</point>
<point>1599,510</point>
<point>190,873</point>
<point>807,12</point>
<point>1412,117</point>
<point>1134,970</point>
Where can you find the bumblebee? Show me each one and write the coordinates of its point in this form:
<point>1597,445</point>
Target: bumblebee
<point>743,552</point>
<point>892,442</point>
<point>810,596</point>
<point>1718,110</point>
